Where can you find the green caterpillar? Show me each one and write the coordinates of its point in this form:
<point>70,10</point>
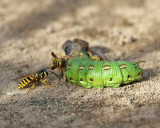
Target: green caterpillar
<point>88,70</point>
<point>100,74</point>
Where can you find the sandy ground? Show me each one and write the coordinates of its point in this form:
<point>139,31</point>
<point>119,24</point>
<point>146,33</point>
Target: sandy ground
<point>118,30</point>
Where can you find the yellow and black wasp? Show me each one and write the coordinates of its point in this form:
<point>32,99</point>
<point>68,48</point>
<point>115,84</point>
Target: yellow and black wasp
<point>59,63</point>
<point>33,79</point>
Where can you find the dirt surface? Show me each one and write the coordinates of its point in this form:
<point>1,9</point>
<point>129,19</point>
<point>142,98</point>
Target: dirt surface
<point>118,30</point>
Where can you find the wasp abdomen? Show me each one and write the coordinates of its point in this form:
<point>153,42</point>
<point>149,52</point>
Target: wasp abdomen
<point>25,82</point>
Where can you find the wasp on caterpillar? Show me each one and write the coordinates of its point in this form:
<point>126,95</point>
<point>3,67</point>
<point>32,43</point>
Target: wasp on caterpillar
<point>96,73</point>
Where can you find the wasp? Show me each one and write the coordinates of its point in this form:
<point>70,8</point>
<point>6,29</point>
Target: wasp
<point>36,78</point>
<point>59,63</point>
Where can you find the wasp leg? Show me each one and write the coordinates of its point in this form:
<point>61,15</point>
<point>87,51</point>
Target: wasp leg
<point>63,76</point>
<point>31,88</point>
<point>65,56</point>
<point>46,82</point>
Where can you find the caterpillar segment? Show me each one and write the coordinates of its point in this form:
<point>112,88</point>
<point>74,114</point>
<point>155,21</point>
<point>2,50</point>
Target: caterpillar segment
<point>100,74</point>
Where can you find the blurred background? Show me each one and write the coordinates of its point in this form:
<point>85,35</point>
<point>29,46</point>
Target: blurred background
<point>118,30</point>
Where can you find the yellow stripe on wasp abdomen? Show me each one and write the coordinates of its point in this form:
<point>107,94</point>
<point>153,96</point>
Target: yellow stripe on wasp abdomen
<point>24,83</point>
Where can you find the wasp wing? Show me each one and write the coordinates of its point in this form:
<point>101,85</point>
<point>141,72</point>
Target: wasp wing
<point>21,77</point>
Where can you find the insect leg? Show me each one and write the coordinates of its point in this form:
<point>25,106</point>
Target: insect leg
<point>46,82</point>
<point>31,88</point>
<point>63,75</point>
<point>65,56</point>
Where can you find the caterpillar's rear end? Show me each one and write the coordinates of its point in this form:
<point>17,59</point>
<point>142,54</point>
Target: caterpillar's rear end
<point>99,74</point>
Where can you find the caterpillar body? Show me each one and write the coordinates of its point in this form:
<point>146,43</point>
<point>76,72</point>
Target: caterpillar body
<point>100,74</point>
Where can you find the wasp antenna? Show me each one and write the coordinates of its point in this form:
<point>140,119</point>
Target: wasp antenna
<point>54,55</point>
<point>54,73</point>
<point>20,77</point>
